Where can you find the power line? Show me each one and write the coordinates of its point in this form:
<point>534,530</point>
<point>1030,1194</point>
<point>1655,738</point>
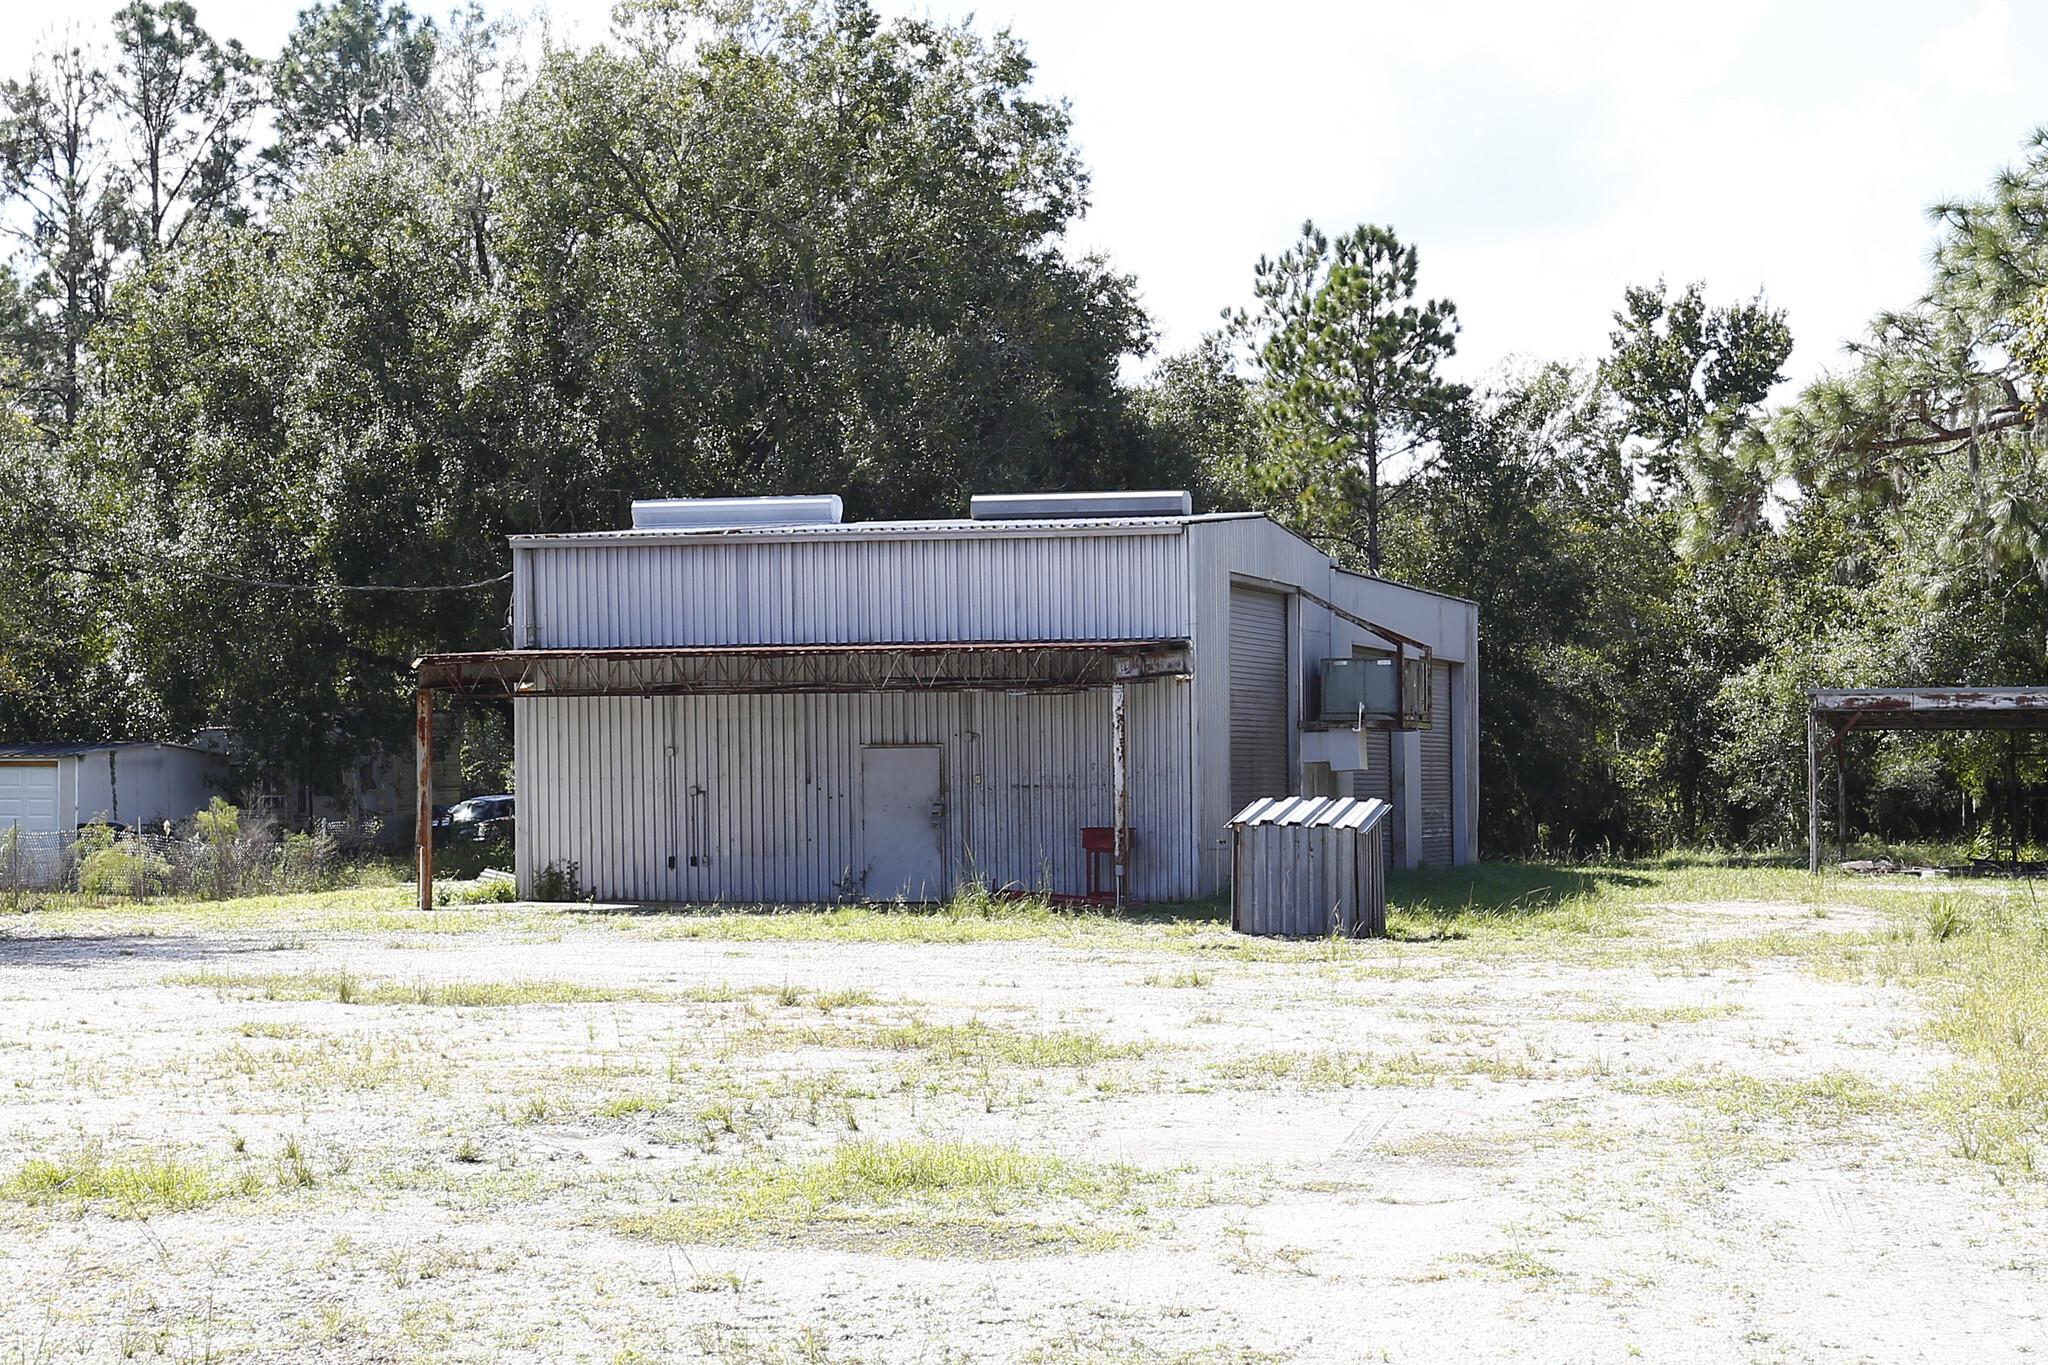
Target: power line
<point>344,587</point>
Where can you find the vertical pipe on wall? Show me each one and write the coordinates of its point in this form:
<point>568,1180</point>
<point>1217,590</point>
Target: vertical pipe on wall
<point>1120,762</point>
<point>423,834</point>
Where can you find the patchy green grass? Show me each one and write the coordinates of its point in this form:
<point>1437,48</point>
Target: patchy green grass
<point>1982,957</point>
<point>1507,904</point>
<point>930,1199</point>
<point>1331,1069</point>
<point>626,1106</point>
<point>344,987</point>
<point>331,1065</point>
<point>976,1043</point>
<point>1658,1014</point>
<point>1103,1347</point>
<point>135,1186</point>
<point>1833,1099</point>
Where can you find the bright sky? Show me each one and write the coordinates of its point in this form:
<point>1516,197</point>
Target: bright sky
<point>1542,153</point>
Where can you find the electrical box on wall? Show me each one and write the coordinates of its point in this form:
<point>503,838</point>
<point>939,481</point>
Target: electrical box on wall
<point>1366,690</point>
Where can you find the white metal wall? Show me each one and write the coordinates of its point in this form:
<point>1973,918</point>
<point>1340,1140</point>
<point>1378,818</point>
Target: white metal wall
<point>144,784</point>
<point>848,587</point>
<point>763,791</point>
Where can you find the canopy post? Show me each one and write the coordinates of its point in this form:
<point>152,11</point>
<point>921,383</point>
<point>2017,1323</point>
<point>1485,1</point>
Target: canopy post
<point>1842,798</point>
<point>1812,796</point>
<point>2012,796</point>
<point>423,837</point>
<point>1121,765</point>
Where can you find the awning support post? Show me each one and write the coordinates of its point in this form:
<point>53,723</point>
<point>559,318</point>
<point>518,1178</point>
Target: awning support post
<point>2012,796</point>
<point>1812,797</point>
<point>423,838</point>
<point>1842,801</point>
<point>1121,765</point>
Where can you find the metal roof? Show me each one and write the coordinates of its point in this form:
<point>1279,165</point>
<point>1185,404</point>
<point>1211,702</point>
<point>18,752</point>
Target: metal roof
<point>1931,708</point>
<point>1335,812</point>
<point>74,749</point>
<point>962,666</point>
<point>960,526</point>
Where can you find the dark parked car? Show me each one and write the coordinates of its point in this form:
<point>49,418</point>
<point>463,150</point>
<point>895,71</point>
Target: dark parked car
<point>481,818</point>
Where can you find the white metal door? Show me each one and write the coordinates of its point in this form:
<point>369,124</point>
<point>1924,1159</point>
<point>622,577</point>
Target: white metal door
<point>903,819</point>
<point>28,797</point>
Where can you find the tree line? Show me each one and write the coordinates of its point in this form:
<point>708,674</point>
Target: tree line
<point>288,347</point>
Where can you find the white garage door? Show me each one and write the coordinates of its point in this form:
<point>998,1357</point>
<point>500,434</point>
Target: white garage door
<point>28,797</point>
<point>1439,819</point>
<point>1258,697</point>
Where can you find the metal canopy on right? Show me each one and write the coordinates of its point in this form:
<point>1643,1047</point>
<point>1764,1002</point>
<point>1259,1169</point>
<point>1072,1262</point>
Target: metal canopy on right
<point>1932,708</point>
<point>1842,710</point>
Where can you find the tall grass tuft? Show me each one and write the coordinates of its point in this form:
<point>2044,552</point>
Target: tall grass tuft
<point>135,1186</point>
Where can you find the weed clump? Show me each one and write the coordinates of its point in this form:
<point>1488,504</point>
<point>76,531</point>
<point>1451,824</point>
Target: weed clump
<point>560,880</point>
<point>134,1186</point>
<point>916,1198</point>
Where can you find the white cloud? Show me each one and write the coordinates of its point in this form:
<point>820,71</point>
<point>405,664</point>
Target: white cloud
<point>1976,54</point>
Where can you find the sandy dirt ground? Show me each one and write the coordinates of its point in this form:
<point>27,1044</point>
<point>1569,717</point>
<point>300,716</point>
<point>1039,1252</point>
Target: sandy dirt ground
<point>1677,1152</point>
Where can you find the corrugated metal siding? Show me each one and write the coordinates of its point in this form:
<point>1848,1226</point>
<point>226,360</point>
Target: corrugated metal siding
<point>764,790</point>
<point>1376,779</point>
<point>849,589</point>
<point>1258,696</point>
<point>1435,748</point>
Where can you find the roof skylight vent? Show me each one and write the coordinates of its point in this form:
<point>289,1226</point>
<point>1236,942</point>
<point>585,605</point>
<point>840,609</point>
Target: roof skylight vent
<point>726,514</point>
<point>1067,506</point>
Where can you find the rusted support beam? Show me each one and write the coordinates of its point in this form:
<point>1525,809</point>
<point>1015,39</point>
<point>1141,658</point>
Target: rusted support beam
<point>999,666</point>
<point>423,835</point>
<point>1122,766</point>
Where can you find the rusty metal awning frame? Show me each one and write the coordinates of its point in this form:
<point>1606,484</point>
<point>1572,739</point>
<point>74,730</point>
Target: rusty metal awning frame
<point>1931,708</point>
<point>965,666</point>
<point>1840,710</point>
<point>1026,666</point>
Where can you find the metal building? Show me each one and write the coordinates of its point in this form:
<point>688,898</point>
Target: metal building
<point>755,702</point>
<point>53,789</point>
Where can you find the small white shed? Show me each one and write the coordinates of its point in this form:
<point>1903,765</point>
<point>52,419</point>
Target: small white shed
<point>55,788</point>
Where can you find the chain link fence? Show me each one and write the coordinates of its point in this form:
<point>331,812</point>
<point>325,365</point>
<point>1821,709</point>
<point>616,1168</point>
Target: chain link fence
<point>221,853</point>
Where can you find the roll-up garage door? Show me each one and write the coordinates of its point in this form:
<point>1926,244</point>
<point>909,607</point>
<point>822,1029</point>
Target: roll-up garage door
<point>1437,815</point>
<point>28,797</point>
<point>1258,696</point>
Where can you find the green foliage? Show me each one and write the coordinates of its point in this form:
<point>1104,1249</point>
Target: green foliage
<point>353,74</point>
<point>1681,367</point>
<point>558,881</point>
<point>1205,417</point>
<point>743,250</point>
<point>186,101</point>
<point>122,869</point>
<point>219,823</point>
<point>1350,391</point>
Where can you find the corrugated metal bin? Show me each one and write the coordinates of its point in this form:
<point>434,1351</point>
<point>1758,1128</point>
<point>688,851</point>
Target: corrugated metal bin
<point>1309,867</point>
